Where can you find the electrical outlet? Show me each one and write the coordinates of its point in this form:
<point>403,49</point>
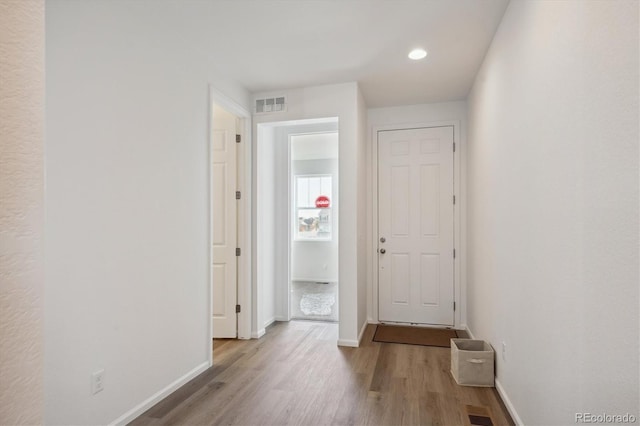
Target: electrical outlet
<point>97,381</point>
<point>504,351</point>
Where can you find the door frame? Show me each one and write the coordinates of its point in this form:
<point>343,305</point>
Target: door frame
<point>459,293</point>
<point>243,211</point>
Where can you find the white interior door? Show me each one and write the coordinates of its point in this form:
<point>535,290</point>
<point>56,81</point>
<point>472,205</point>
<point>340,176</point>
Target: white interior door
<point>416,226</point>
<point>223,186</point>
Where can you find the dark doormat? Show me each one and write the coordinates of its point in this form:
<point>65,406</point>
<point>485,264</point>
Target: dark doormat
<point>414,335</point>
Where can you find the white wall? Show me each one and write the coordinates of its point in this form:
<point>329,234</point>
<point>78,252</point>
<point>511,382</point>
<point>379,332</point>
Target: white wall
<point>362,167</point>
<point>268,255</point>
<point>449,112</point>
<point>553,208</point>
<point>127,268</point>
<point>339,100</point>
<point>21,211</point>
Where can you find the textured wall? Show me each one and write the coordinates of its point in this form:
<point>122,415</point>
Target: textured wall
<point>21,210</point>
<point>553,207</point>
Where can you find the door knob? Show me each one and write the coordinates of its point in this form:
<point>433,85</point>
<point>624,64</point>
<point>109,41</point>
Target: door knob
<point>383,239</point>
<point>383,251</point>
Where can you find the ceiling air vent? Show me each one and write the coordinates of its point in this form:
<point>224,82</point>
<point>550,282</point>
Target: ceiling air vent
<point>268,105</point>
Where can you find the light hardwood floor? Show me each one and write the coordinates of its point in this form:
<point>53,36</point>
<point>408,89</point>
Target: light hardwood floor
<point>296,375</point>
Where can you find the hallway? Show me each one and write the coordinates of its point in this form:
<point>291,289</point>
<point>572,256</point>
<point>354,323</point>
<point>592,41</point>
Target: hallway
<point>108,283</point>
<point>296,375</point>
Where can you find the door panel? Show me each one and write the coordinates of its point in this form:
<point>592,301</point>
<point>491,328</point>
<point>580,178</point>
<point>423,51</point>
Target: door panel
<point>400,201</point>
<point>223,188</point>
<point>400,276</point>
<point>429,199</point>
<point>416,218</point>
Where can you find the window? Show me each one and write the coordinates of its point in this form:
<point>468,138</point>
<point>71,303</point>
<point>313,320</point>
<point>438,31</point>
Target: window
<point>312,208</point>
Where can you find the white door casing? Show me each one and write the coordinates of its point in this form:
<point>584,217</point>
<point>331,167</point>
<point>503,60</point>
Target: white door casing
<point>416,221</point>
<point>224,268</point>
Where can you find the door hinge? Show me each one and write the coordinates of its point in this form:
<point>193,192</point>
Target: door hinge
<point>238,138</point>
<point>454,253</point>
<point>454,306</point>
<point>454,199</point>
<point>238,251</point>
<point>237,309</point>
<point>238,195</point>
<point>454,147</point>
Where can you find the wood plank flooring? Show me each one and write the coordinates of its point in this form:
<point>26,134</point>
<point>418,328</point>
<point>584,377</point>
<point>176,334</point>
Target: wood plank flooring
<point>296,375</point>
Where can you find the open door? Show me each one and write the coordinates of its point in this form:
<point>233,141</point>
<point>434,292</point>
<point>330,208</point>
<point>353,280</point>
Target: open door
<point>224,210</point>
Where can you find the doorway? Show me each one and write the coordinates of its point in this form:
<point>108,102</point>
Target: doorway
<point>290,229</point>
<point>416,252</point>
<point>314,233</point>
<point>229,134</point>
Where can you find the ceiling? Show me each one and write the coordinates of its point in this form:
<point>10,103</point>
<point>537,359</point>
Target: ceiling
<point>267,45</point>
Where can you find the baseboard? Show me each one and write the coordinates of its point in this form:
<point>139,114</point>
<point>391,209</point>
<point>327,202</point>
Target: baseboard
<point>281,319</point>
<point>507,402</point>
<point>470,333</point>
<point>503,394</point>
<point>362,330</point>
<point>354,343</point>
<point>269,322</point>
<point>349,343</point>
<point>258,334</point>
<point>158,396</point>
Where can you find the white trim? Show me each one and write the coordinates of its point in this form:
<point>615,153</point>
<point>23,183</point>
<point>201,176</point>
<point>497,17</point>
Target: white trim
<point>300,122</point>
<point>159,396</point>
<point>269,322</point>
<point>210,224</point>
<point>470,333</point>
<point>460,205</point>
<point>502,392</point>
<point>362,330</point>
<point>313,280</point>
<point>507,402</point>
<point>258,334</point>
<point>354,343</point>
<point>373,146</point>
<point>289,227</point>
<point>348,343</point>
<point>244,230</point>
<point>244,213</point>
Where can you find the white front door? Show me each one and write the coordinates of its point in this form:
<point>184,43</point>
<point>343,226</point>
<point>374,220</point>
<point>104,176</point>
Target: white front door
<point>416,226</point>
<point>223,146</point>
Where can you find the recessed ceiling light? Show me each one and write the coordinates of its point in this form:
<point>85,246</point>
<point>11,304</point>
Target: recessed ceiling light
<point>416,54</point>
